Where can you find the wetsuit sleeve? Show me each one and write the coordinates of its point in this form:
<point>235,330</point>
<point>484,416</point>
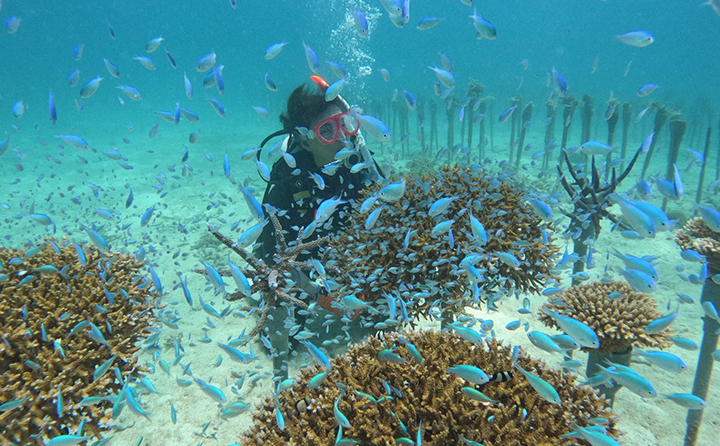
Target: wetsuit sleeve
<point>281,193</point>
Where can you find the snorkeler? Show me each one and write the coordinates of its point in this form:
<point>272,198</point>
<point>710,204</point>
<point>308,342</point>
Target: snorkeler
<point>317,130</point>
<point>324,143</point>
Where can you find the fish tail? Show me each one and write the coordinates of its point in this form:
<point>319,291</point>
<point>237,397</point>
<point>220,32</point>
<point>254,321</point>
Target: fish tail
<point>615,198</point>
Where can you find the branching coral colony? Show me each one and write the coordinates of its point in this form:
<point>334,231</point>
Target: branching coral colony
<point>387,400</point>
<point>590,198</point>
<point>272,281</point>
<point>68,314</point>
<point>619,322</point>
<point>434,261</point>
<point>617,314</point>
<point>404,247</point>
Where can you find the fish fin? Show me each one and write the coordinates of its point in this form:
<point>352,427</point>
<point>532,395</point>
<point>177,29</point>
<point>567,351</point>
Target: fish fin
<point>605,370</point>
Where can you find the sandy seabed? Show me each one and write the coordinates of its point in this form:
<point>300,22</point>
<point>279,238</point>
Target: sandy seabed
<point>189,205</point>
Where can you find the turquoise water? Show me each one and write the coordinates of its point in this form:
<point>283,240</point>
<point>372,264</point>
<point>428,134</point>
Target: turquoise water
<point>566,35</point>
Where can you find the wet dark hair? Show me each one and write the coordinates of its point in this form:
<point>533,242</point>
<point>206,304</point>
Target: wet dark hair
<point>304,104</point>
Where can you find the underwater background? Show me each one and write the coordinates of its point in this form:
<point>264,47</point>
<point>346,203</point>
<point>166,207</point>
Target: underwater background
<point>177,167</point>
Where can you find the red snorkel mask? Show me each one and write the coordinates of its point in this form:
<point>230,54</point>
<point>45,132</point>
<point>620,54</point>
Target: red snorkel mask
<point>329,129</point>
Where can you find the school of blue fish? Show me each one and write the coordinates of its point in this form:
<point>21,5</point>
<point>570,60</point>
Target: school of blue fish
<point>108,213</point>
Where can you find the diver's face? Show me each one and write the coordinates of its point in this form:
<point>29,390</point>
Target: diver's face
<point>324,153</point>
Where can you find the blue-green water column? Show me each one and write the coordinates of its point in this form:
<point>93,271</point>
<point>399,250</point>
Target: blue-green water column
<point>710,293</point>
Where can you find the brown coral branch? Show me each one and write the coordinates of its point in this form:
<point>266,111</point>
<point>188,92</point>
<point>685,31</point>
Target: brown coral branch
<point>271,280</point>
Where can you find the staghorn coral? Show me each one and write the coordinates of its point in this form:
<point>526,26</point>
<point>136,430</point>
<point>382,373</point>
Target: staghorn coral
<point>698,236</point>
<point>590,198</point>
<point>39,357</point>
<point>272,281</point>
<point>374,261</point>
<point>619,323</point>
<point>429,394</point>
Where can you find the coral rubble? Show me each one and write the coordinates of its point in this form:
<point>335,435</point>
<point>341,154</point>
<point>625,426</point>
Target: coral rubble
<point>425,394</point>
<point>65,311</point>
<point>618,322</point>
<point>405,245</point>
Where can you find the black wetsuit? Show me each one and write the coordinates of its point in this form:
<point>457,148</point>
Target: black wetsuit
<point>299,195</point>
